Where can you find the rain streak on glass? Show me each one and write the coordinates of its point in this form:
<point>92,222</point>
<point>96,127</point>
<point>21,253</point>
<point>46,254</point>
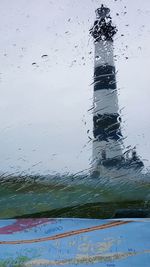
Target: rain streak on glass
<point>74,106</point>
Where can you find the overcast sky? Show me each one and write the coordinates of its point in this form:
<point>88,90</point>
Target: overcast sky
<point>45,100</point>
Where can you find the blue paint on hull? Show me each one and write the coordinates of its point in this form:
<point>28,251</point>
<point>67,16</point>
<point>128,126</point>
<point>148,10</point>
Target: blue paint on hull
<point>75,242</point>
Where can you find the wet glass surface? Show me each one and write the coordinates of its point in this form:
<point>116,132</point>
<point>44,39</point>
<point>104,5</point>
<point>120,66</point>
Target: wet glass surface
<point>74,131</point>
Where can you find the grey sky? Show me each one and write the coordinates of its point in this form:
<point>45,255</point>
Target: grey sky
<point>44,107</point>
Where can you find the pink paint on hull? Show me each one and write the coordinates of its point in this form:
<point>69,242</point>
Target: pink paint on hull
<point>23,224</point>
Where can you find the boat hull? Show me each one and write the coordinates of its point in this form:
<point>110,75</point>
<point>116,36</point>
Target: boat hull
<point>74,242</point>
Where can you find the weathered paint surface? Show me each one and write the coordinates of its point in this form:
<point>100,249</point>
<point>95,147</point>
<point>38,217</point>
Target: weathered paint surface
<point>74,242</point>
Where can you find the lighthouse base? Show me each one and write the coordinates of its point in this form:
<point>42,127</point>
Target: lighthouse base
<point>119,166</point>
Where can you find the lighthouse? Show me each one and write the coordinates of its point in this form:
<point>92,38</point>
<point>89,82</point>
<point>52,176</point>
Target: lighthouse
<point>107,142</point>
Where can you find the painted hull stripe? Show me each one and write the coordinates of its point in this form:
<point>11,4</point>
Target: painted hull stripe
<point>67,234</point>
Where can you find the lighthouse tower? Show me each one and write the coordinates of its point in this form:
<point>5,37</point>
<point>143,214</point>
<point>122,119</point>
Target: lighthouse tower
<point>107,143</point>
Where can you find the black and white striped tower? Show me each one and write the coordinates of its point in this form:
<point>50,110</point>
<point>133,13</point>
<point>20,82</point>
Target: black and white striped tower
<point>106,119</point>
<point>107,144</point>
